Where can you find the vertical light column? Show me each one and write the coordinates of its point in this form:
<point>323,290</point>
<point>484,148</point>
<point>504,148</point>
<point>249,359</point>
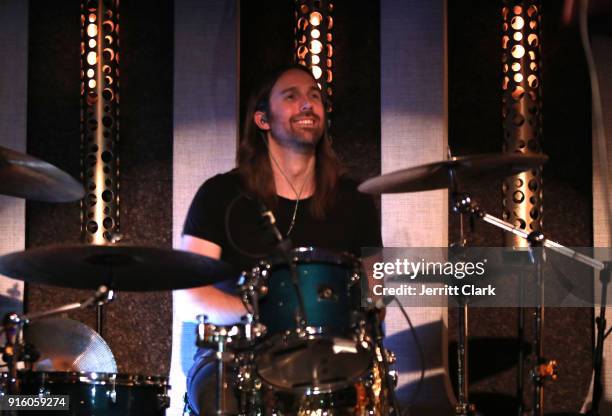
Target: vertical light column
<point>313,44</point>
<point>521,112</point>
<point>100,120</point>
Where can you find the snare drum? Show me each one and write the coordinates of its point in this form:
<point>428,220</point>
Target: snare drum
<point>101,394</point>
<point>331,348</point>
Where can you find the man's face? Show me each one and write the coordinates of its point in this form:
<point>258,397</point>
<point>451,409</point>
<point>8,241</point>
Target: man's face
<point>297,116</point>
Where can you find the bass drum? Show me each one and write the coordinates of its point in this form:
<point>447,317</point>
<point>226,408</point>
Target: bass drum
<point>100,394</point>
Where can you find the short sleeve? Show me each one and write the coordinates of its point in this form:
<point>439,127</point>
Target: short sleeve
<point>205,217</point>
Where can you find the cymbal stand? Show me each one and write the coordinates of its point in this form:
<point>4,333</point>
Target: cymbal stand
<point>463,406</point>
<point>539,372</point>
<point>14,323</point>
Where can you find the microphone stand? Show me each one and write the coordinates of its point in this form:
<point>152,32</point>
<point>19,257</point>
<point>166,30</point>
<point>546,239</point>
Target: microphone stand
<point>283,247</point>
<point>548,369</point>
<point>604,278</point>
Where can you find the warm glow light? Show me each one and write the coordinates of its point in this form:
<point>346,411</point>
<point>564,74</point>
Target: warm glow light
<point>315,33</point>
<point>316,71</point>
<point>532,80</point>
<point>516,67</point>
<point>315,18</point>
<point>517,23</point>
<point>505,40</point>
<point>92,83</point>
<point>315,59</point>
<point>92,30</point>
<point>92,43</point>
<point>316,46</point>
<point>518,51</point>
<point>518,36</point>
<point>92,58</point>
<point>518,77</point>
<point>92,17</point>
<point>90,73</point>
<point>532,39</point>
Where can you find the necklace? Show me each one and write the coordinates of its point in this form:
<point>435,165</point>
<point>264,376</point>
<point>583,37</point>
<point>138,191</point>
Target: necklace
<point>297,194</point>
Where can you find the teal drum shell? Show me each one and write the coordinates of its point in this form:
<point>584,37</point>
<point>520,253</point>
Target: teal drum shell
<point>332,348</point>
<point>329,299</point>
<point>99,394</point>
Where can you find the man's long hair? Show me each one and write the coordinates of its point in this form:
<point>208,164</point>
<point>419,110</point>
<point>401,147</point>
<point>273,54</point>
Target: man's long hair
<point>253,159</point>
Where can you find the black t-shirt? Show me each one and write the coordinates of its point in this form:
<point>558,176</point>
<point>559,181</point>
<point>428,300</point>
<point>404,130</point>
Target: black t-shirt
<point>222,213</point>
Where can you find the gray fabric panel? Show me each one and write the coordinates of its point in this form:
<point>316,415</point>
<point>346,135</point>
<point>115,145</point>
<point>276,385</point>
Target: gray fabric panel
<point>205,85</point>
<point>601,222</point>
<point>13,109</point>
<point>413,112</point>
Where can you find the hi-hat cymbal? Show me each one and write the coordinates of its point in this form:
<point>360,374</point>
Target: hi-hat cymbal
<point>68,345</point>
<point>437,175</point>
<point>27,177</point>
<point>118,267</point>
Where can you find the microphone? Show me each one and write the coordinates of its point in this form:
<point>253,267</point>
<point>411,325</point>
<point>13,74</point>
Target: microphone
<point>269,221</point>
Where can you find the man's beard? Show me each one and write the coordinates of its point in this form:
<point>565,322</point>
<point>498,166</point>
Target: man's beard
<point>301,141</point>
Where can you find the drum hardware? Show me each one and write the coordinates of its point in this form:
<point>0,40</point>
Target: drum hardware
<point>13,325</point>
<point>96,393</point>
<point>327,352</point>
<point>283,247</point>
<point>221,339</point>
<point>388,379</point>
<point>444,174</point>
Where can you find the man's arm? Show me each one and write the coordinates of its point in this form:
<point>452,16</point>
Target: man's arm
<point>220,307</point>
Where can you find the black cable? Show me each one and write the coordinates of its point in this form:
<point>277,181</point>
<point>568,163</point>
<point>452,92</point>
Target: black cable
<point>228,232</point>
<point>419,350</point>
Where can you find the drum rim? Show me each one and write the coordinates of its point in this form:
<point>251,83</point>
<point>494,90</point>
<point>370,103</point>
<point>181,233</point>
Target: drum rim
<point>92,377</point>
<point>311,254</point>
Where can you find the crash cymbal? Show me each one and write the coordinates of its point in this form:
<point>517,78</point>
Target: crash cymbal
<point>436,175</point>
<point>68,345</point>
<point>118,267</point>
<point>27,177</point>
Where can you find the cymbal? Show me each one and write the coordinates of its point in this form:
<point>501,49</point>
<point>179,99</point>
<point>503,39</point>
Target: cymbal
<point>68,345</point>
<point>25,176</point>
<point>126,268</point>
<point>436,175</point>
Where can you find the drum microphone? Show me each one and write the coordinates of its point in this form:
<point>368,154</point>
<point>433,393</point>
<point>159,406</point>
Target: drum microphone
<point>269,222</point>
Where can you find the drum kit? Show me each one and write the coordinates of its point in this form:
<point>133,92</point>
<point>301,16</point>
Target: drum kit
<point>308,345</point>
